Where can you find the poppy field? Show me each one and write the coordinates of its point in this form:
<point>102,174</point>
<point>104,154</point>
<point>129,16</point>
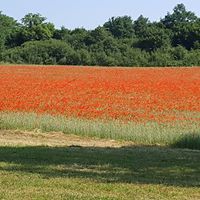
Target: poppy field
<point>137,95</point>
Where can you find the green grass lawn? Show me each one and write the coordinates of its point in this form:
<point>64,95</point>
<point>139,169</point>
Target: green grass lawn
<point>75,172</point>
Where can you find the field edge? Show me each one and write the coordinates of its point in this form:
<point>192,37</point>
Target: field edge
<point>183,134</point>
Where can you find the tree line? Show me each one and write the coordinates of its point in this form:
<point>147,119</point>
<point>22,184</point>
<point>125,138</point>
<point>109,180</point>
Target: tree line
<point>174,40</point>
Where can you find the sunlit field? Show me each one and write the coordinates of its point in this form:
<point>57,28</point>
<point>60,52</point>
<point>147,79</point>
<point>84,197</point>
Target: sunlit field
<point>127,94</point>
<point>144,105</point>
<point>99,133</point>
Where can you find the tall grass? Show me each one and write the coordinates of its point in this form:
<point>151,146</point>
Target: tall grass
<point>150,133</point>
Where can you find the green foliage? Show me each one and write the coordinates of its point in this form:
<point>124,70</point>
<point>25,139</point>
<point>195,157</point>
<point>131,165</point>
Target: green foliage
<point>187,35</point>
<point>189,141</point>
<point>30,20</point>
<point>7,26</point>
<point>184,25</point>
<point>154,38</point>
<point>33,28</point>
<point>161,57</point>
<point>120,27</point>
<point>179,16</point>
<point>192,58</point>
<point>41,52</point>
<point>78,38</point>
<point>140,25</point>
<point>173,41</point>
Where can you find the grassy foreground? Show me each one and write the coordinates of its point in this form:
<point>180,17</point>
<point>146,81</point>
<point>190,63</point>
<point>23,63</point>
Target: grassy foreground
<point>95,172</point>
<point>184,134</point>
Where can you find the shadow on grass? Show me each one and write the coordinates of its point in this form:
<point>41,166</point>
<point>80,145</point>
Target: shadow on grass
<point>189,141</point>
<point>137,164</point>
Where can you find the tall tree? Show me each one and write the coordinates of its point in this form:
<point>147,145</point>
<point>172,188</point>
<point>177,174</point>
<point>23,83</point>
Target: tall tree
<point>179,16</point>
<point>184,25</point>
<point>140,25</point>
<point>120,27</point>
<point>35,28</point>
<point>30,20</point>
<point>7,26</point>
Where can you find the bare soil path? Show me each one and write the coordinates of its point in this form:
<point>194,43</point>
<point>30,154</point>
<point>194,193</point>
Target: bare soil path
<point>24,138</point>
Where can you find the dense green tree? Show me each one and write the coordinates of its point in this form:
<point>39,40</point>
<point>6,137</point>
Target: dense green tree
<point>41,52</point>
<point>7,27</point>
<point>102,40</point>
<point>179,16</point>
<point>35,28</point>
<point>141,25</point>
<point>62,34</point>
<point>187,35</point>
<point>172,41</point>
<point>134,57</point>
<point>120,27</point>
<point>78,38</point>
<point>154,38</point>
<point>84,57</point>
<point>99,34</point>
<point>30,20</point>
<point>192,58</point>
<point>185,26</point>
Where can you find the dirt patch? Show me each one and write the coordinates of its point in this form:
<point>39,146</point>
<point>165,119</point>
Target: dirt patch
<point>23,138</point>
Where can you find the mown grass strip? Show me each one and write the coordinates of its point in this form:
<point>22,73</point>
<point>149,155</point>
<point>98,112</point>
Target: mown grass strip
<point>133,172</point>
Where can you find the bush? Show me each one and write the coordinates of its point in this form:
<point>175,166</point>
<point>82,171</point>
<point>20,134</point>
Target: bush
<point>41,52</point>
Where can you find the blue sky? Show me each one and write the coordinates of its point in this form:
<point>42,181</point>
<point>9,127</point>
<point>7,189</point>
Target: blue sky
<point>91,13</point>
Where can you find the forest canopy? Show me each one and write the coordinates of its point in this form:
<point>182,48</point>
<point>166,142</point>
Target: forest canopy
<point>121,41</point>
